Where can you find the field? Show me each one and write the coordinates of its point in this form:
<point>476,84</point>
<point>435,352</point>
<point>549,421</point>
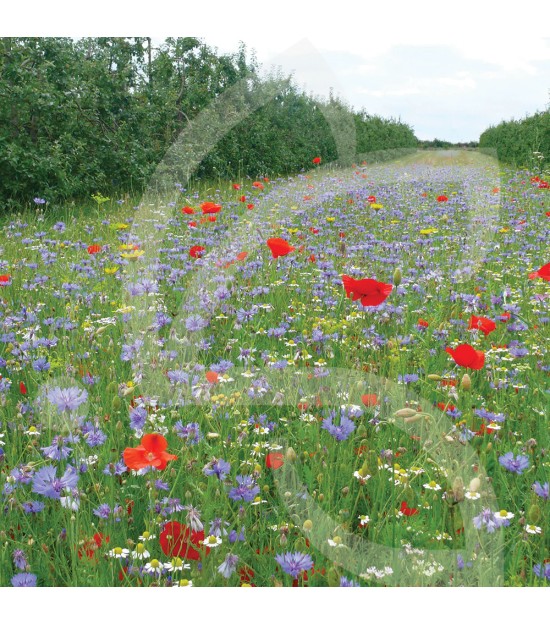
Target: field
<point>335,379</point>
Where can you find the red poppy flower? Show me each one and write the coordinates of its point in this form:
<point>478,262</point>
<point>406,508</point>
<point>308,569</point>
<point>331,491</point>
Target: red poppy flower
<point>212,377</point>
<point>242,198</point>
<point>535,179</point>
<point>274,460</point>
<point>505,316</point>
<point>547,213</point>
<point>258,185</point>
<point>543,272</point>
<point>94,249</point>
<point>250,206</point>
<point>236,186</point>
<point>482,323</point>
<point>466,356</point>
<point>543,184</point>
<point>312,258</point>
<point>22,388</point>
<point>196,251</point>
<point>370,292</point>
<point>151,453</point>
<point>369,400</point>
<point>423,323</point>
<point>209,207</point>
<point>90,546</point>
<point>444,407</point>
<point>442,198</point>
<point>371,199</point>
<point>279,247</point>
<point>179,541</point>
<point>406,510</point>
<point>316,160</point>
<point>314,230</point>
<point>211,218</point>
<point>5,280</point>
<point>246,574</point>
<point>187,210</point>
<point>192,224</point>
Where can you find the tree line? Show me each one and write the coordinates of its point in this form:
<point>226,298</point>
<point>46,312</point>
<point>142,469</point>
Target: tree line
<point>522,143</point>
<point>98,114</point>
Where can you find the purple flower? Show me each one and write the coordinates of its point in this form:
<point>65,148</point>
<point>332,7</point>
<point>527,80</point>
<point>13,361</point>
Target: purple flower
<point>246,490</point>
<point>33,507</point>
<point>220,468</point>
<point>19,559</point>
<point>103,511</point>
<point>294,563</point>
<point>228,566</point>
<point>542,491</point>
<point>348,583</point>
<point>339,432</point>
<point>46,482</point>
<point>23,580</point>
<point>68,399</point>
<point>57,450</point>
<point>542,570</point>
<point>514,465</point>
<point>486,519</point>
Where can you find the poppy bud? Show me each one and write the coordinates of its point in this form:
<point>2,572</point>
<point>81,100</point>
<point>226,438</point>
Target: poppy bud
<point>466,382</point>
<point>458,489</point>
<point>435,377</point>
<point>188,495</point>
<point>475,483</point>
<point>116,404</point>
<point>119,426</point>
<point>534,514</point>
<point>300,544</point>
<point>405,412</point>
<point>397,276</point>
<point>308,525</point>
<point>290,455</point>
<point>333,578</point>
<point>414,419</point>
<point>345,490</point>
<point>321,497</point>
<point>112,387</point>
<point>362,430</point>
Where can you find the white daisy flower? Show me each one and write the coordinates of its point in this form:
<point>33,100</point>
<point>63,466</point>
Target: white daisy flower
<point>140,553</point>
<point>176,564</point>
<point>363,519</point>
<point>154,567</point>
<point>432,485</point>
<point>212,541</point>
<point>471,494</point>
<point>119,552</point>
<point>533,529</point>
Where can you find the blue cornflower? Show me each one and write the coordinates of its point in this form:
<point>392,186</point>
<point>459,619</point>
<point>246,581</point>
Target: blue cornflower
<point>229,565</point>
<point>33,507</point>
<point>41,364</point>
<point>220,468</point>
<point>514,465</point>
<point>138,416</point>
<point>246,490</point>
<point>348,583</point>
<point>57,450</point>
<point>22,580</point>
<point>486,519</point>
<point>190,432</point>
<point>103,511</point>
<point>542,491</point>
<point>46,482</point>
<point>294,563</point>
<point>19,559</point>
<point>339,432</point>
<point>68,399</point>
<point>542,570</point>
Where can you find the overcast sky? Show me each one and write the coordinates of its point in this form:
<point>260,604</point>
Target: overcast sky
<point>449,69</point>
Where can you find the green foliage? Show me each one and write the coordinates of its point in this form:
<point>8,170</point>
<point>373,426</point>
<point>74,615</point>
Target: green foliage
<point>96,115</point>
<point>516,141</point>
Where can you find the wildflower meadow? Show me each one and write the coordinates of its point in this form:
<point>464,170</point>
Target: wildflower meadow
<point>337,378</point>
